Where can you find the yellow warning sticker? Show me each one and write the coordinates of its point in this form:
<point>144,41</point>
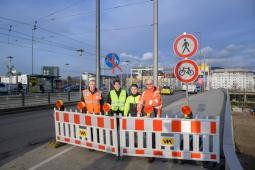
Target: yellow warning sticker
<point>167,141</point>
<point>83,133</point>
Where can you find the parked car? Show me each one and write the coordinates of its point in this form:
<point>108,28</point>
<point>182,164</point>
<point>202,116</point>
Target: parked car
<point>166,90</point>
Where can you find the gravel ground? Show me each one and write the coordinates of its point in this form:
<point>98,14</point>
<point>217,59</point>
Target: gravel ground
<point>244,130</point>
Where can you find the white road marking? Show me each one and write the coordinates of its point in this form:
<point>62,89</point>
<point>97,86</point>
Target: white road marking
<point>51,158</point>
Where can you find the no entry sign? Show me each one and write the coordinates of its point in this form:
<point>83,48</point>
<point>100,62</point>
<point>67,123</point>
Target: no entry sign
<point>185,45</point>
<point>186,71</point>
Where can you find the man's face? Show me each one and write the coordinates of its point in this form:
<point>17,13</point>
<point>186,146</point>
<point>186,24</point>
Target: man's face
<point>92,86</point>
<point>149,84</point>
<point>134,90</point>
<point>116,86</point>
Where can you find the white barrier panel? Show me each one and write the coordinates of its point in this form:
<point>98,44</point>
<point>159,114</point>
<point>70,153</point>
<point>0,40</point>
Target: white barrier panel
<point>87,130</point>
<point>191,139</point>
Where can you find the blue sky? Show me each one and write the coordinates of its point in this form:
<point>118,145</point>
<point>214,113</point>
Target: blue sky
<point>226,27</point>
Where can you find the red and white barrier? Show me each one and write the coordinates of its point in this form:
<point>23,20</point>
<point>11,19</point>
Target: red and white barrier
<point>87,130</point>
<point>192,139</point>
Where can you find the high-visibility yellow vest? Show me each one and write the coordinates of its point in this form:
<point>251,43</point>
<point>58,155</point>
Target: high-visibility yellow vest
<point>131,105</point>
<point>118,103</point>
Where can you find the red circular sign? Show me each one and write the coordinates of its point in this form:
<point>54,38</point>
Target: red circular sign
<point>186,71</point>
<point>185,45</point>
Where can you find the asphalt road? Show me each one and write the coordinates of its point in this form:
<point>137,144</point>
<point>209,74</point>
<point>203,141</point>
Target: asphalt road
<point>23,132</point>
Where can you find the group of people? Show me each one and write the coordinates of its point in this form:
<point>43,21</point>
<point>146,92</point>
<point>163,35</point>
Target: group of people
<point>120,102</point>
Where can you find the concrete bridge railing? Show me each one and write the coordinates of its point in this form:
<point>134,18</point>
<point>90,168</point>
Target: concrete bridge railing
<point>231,159</point>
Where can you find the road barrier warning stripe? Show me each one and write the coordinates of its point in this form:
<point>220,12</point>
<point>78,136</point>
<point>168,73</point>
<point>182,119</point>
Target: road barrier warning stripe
<point>87,130</point>
<point>195,127</point>
<point>57,116</point>
<point>100,132</point>
<point>174,125</point>
<point>76,119</point>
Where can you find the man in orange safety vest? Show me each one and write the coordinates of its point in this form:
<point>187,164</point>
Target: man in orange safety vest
<point>151,97</point>
<point>92,98</point>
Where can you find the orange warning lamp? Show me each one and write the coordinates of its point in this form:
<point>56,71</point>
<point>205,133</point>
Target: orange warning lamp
<point>186,110</point>
<point>148,110</point>
<point>59,104</point>
<point>80,106</point>
<point>106,107</point>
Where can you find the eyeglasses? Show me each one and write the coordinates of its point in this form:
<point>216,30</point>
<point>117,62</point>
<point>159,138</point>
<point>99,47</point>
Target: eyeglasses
<point>149,84</point>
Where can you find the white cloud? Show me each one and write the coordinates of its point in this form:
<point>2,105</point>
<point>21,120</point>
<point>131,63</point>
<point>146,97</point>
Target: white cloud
<point>147,56</point>
<point>233,55</point>
<point>206,50</point>
<point>126,56</point>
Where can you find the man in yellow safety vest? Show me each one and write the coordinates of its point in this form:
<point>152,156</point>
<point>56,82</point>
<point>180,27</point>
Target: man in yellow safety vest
<point>117,98</point>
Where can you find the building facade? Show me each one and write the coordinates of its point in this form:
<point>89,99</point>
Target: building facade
<point>232,79</point>
<point>50,71</point>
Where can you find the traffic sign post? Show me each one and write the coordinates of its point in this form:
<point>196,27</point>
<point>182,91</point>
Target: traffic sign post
<point>185,45</point>
<point>112,60</point>
<point>186,71</point>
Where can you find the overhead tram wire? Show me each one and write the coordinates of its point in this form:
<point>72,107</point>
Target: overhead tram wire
<point>63,46</point>
<point>52,32</point>
<point>92,12</point>
<point>40,41</point>
<point>127,28</point>
<point>47,43</point>
<point>59,34</point>
<point>61,10</point>
<point>45,50</point>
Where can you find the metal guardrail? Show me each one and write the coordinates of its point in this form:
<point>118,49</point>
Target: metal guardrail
<point>19,101</point>
<point>231,159</point>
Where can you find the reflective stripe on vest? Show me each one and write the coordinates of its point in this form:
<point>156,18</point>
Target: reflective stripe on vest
<point>92,101</point>
<point>118,103</point>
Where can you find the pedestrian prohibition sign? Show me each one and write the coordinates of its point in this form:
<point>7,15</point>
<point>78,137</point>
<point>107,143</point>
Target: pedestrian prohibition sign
<point>186,71</point>
<point>185,45</point>
<point>112,60</point>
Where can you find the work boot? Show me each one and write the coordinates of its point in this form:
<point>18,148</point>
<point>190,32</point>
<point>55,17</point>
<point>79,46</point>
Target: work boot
<point>150,160</point>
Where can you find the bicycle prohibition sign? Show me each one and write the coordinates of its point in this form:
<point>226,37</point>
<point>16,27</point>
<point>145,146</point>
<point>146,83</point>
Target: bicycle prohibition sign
<point>186,71</point>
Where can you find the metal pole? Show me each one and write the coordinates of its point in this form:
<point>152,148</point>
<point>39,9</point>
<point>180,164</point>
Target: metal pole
<point>98,43</point>
<point>10,73</point>
<point>32,51</point>
<point>187,94</point>
<point>155,42</point>
<point>33,30</point>
<point>204,73</point>
<point>80,83</point>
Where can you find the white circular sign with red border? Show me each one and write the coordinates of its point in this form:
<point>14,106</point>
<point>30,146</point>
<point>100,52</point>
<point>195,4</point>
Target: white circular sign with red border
<point>185,45</point>
<point>186,71</point>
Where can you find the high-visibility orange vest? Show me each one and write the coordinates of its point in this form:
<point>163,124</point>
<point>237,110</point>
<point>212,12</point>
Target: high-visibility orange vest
<point>92,101</point>
<point>151,97</point>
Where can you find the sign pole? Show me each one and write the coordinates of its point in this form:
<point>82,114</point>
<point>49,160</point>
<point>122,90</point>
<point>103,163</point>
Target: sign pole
<point>98,69</point>
<point>187,94</point>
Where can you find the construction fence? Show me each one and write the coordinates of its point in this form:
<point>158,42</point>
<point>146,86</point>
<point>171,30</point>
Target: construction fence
<point>172,138</point>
